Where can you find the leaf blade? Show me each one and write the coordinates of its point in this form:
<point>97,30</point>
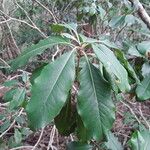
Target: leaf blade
<point>50,91</point>
<point>112,65</point>
<point>33,50</point>
<point>94,97</point>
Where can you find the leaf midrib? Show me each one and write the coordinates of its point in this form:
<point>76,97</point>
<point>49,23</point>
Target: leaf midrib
<point>94,87</point>
<point>58,77</point>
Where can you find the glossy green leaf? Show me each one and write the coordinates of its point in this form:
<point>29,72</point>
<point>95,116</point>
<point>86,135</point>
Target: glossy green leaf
<point>65,121</point>
<point>120,55</point>
<point>79,146</point>
<point>33,50</point>
<point>113,66</point>
<point>140,140</point>
<point>50,91</point>
<point>94,102</point>
<point>143,89</point>
<point>112,142</point>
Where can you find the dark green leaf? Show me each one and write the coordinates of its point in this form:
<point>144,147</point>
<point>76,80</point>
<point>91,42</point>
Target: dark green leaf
<point>65,121</point>
<point>94,102</point>
<point>36,49</point>
<point>36,73</point>
<point>81,130</point>
<point>78,146</point>
<point>50,91</point>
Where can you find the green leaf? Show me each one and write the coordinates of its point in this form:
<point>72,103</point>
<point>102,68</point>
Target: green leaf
<point>50,91</point>
<point>120,55</point>
<point>81,130</point>
<point>79,146</point>
<point>133,51</point>
<point>112,142</point>
<point>17,136</point>
<point>94,102</point>
<point>10,83</point>
<point>9,95</point>
<point>117,21</point>
<point>37,73</point>
<point>140,140</point>
<point>113,66</point>
<point>143,47</point>
<point>143,89</point>
<point>65,121</point>
<point>18,98</point>
<point>33,50</point>
<point>60,27</point>
<point>146,69</point>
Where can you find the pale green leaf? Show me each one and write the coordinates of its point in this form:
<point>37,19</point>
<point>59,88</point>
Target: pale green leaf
<point>17,136</point>
<point>18,98</point>
<point>146,69</point>
<point>120,55</point>
<point>143,89</point>
<point>50,91</point>
<point>112,65</point>
<point>140,140</point>
<point>117,21</point>
<point>143,47</point>
<point>112,142</point>
<point>94,102</point>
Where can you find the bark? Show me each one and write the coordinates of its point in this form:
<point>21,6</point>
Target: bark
<point>141,12</point>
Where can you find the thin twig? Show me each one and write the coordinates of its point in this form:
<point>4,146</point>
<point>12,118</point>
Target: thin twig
<point>3,61</point>
<point>26,13</point>
<point>9,18</point>
<point>21,147</point>
<point>141,113</point>
<point>52,139</point>
<point>12,36</point>
<point>131,112</point>
<point>11,124</point>
<point>47,10</point>
<point>40,137</point>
